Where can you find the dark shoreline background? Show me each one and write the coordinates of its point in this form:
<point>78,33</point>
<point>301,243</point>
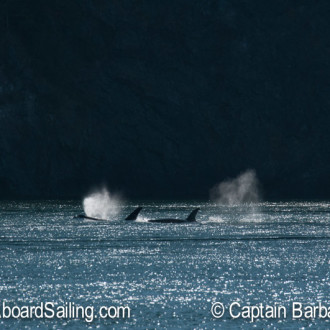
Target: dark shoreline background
<point>164,99</point>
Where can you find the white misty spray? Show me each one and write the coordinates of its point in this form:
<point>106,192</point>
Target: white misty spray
<point>101,204</point>
<point>243,189</point>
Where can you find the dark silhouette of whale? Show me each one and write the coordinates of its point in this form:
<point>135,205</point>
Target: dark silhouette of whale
<point>132,216</point>
<point>191,218</point>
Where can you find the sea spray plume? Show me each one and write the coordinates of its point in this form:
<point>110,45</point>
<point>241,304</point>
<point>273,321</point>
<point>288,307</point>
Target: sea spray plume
<point>101,204</point>
<point>240,190</point>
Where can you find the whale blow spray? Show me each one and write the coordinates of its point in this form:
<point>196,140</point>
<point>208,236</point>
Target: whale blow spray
<point>243,189</point>
<point>101,204</point>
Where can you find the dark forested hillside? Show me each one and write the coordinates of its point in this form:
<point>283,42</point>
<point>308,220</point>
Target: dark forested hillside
<point>164,98</point>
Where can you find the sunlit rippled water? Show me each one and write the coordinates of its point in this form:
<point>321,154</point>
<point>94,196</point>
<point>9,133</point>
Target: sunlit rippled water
<point>168,274</point>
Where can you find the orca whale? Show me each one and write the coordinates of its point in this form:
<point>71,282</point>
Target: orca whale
<point>132,216</point>
<point>191,218</point>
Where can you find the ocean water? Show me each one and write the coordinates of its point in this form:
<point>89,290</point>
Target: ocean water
<point>168,274</point>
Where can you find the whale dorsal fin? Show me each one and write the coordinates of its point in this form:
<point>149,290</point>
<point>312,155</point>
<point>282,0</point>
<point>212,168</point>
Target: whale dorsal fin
<point>192,215</point>
<point>134,214</point>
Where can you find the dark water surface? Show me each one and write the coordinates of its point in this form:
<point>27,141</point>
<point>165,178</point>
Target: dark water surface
<point>168,274</point>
